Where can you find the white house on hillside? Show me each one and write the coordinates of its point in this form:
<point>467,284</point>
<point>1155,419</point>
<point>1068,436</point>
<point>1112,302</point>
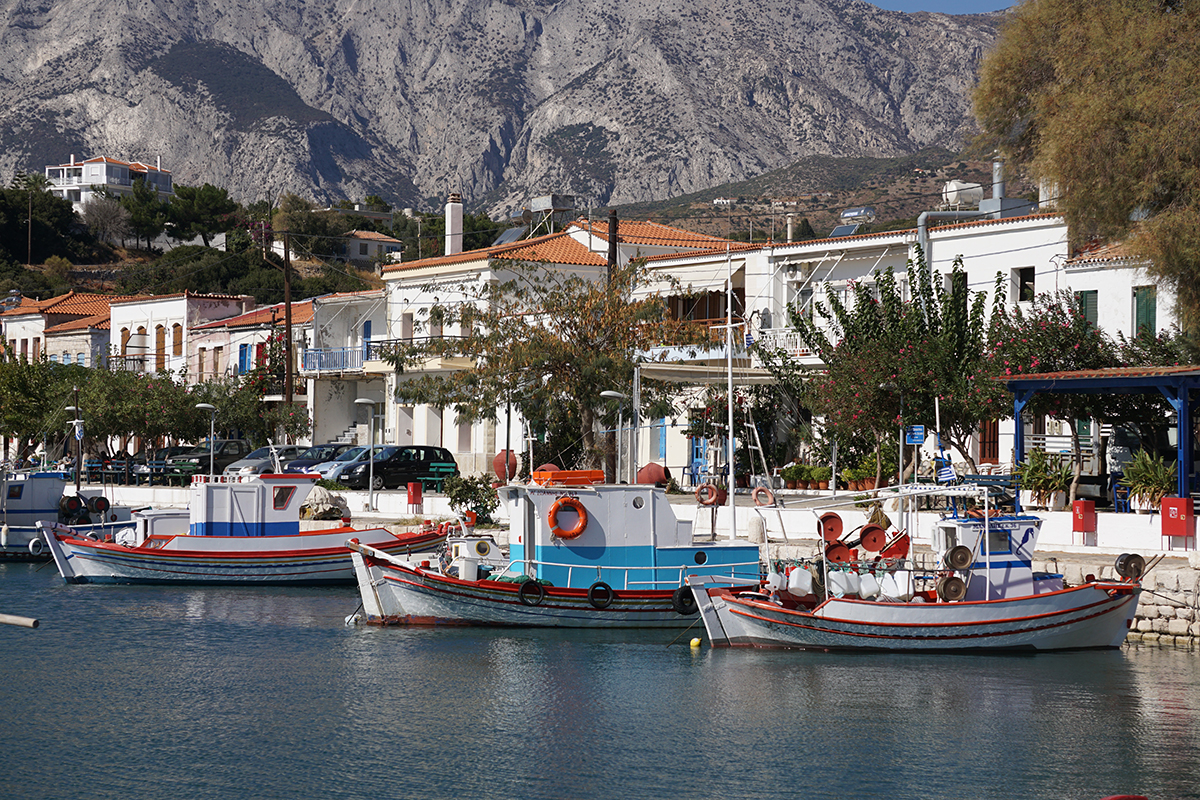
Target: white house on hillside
<point>150,334</point>
<point>79,181</point>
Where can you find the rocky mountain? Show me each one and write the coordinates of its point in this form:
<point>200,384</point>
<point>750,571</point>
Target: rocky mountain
<point>500,100</point>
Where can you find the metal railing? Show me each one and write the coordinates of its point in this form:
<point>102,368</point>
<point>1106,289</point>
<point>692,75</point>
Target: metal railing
<point>352,359</point>
<point>595,572</point>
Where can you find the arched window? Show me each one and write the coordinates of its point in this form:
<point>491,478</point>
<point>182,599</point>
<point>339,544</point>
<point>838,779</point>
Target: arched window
<point>176,339</point>
<point>125,341</point>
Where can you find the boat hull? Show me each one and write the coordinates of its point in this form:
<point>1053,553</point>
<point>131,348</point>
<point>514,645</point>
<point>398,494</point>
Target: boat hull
<point>301,559</point>
<point>1094,615</point>
<point>405,594</point>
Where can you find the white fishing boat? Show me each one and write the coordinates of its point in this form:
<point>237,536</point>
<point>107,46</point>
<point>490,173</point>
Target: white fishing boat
<point>976,591</point>
<point>582,554</point>
<point>238,529</point>
<point>27,497</point>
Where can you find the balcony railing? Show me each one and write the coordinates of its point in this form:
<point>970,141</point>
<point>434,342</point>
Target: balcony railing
<point>351,359</point>
<point>786,339</point>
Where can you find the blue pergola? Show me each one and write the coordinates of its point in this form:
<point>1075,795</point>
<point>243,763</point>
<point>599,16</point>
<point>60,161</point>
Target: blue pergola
<point>1174,383</point>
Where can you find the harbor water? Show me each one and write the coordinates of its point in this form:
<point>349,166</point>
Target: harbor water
<point>170,692</point>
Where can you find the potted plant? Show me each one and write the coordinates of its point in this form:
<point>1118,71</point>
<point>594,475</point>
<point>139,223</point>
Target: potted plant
<point>820,475</point>
<point>791,475</point>
<point>1045,480</point>
<point>802,476</point>
<point>1150,478</point>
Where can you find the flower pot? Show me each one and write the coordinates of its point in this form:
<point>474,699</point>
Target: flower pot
<point>1057,501</point>
<point>790,484</point>
<point>822,484</point>
<point>801,484</point>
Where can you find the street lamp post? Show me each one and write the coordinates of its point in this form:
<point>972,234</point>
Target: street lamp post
<point>620,398</point>
<point>364,401</point>
<point>78,423</point>
<point>212,434</point>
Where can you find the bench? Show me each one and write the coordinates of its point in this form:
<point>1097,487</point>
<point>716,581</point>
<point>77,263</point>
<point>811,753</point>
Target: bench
<point>1001,489</point>
<point>92,470</point>
<point>116,471</point>
<point>438,473</point>
<point>181,474</point>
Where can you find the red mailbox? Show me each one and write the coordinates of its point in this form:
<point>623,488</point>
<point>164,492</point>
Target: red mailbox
<point>1178,522</point>
<point>1084,518</point>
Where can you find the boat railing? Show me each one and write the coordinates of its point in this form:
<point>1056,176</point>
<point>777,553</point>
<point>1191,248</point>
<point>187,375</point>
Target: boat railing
<point>632,577</point>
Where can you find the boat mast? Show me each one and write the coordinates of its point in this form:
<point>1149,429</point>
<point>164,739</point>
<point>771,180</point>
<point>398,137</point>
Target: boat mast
<point>729,376</point>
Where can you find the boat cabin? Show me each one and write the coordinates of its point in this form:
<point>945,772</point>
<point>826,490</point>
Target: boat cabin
<point>258,505</point>
<point>572,532</point>
<point>1001,563</point>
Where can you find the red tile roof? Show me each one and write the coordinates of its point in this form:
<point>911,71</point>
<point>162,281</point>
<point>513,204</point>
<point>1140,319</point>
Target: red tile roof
<point>152,297</point>
<point>302,312</point>
<point>77,303</point>
<point>1101,253</point>
<point>553,248</point>
<point>100,322</point>
<point>374,236</point>
<point>650,234</point>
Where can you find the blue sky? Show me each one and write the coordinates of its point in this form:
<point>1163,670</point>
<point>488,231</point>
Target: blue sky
<point>944,6</point>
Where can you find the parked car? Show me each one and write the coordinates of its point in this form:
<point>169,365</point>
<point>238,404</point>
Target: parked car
<point>399,466</point>
<point>263,460</point>
<point>332,470</point>
<point>224,453</point>
<point>317,454</point>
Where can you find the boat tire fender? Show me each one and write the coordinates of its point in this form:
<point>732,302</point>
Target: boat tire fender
<point>763,496</point>
<point>35,546</point>
<point>600,595</point>
<point>706,494</point>
<point>684,601</point>
<point>531,593</point>
<point>575,530</point>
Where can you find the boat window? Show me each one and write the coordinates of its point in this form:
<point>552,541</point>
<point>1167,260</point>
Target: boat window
<point>701,557</point>
<point>283,496</point>
<point>638,502</point>
<point>14,491</point>
<point>997,540</point>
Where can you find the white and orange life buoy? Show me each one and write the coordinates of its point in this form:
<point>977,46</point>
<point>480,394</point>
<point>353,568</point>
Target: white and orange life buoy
<point>707,494</point>
<point>763,496</point>
<point>580,524</point>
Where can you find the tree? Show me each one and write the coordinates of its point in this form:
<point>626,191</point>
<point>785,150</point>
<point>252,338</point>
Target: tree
<point>545,341</point>
<point>200,211</point>
<point>106,218</point>
<point>884,352</point>
<point>1100,98</point>
<point>1054,336</point>
<point>147,214</point>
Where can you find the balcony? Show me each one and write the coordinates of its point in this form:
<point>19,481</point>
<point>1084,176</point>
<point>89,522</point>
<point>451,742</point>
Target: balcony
<point>786,339</point>
<point>368,357</point>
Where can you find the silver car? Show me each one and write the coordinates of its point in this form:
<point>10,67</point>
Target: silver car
<point>261,460</point>
<point>332,470</point>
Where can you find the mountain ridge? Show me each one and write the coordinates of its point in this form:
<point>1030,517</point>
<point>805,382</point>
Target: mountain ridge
<point>497,100</point>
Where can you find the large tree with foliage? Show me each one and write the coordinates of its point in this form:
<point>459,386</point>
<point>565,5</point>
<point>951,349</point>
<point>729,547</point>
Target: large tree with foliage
<point>546,340</point>
<point>882,351</point>
<point>202,211</point>
<point>147,214</point>
<point>1101,98</point>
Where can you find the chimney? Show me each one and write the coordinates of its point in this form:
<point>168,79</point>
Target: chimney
<point>997,179</point>
<point>158,163</point>
<point>791,223</point>
<point>612,242</point>
<point>72,159</point>
<point>454,224</point>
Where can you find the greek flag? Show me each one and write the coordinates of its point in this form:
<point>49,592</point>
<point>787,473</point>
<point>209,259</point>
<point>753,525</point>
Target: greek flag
<point>749,339</point>
<point>946,473</point>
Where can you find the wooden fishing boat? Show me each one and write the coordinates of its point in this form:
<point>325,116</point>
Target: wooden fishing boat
<point>27,497</point>
<point>978,591</point>
<point>582,554</point>
<point>238,529</point>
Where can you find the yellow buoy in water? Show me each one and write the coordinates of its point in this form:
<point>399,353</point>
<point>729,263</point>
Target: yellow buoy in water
<point>696,642</point>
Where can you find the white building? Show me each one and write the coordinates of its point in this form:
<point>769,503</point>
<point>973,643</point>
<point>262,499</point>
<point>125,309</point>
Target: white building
<point>79,181</point>
<point>151,333</point>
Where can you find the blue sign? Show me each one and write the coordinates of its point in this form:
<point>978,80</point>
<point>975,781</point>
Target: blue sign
<point>914,434</point>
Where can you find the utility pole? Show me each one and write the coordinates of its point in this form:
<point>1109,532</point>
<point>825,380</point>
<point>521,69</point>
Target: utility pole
<point>29,220</point>
<point>287,320</point>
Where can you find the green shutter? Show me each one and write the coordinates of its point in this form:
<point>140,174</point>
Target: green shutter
<point>1088,302</point>
<point>1144,307</point>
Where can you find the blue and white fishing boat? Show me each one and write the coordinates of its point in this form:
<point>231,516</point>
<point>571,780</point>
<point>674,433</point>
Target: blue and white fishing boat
<point>238,529</point>
<point>27,497</point>
<point>581,554</point>
<point>978,590</point>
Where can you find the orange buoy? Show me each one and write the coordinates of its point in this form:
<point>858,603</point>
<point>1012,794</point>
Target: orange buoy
<point>707,494</point>
<point>580,524</point>
<point>763,496</point>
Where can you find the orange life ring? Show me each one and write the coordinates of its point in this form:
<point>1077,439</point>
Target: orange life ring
<point>706,494</point>
<point>574,531</point>
<point>763,492</point>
